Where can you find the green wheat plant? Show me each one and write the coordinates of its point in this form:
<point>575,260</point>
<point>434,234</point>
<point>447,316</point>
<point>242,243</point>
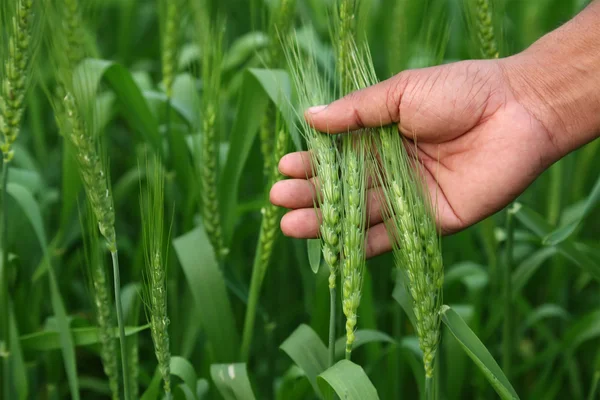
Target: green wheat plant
<point>21,28</point>
<point>354,222</point>
<point>354,168</point>
<point>410,222</point>
<point>210,35</point>
<point>76,115</point>
<point>314,88</point>
<point>273,132</point>
<point>102,300</point>
<point>155,288</point>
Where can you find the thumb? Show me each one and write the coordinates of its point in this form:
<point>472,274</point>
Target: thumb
<point>371,107</point>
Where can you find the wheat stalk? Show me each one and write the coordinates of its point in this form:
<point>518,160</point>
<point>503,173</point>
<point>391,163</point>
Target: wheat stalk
<point>312,88</point>
<point>102,305</point>
<point>76,119</point>
<point>17,52</point>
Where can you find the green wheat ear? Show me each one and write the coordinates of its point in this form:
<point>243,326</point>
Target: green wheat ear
<point>481,17</point>
<point>170,16</point>
<point>410,221</point>
<point>325,162</point>
<point>22,25</point>
<point>155,275</point>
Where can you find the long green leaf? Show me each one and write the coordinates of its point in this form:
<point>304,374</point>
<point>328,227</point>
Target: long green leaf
<point>563,233</point>
<point>183,369</point>
<point>276,83</point>
<point>251,106</point>
<point>50,340</point>
<point>478,353</point>
<point>31,209</point>
<point>533,221</point>
<point>207,285</point>
<point>232,381</point>
<point>309,353</point>
<point>18,369</point>
<point>403,298</point>
<point>86,81</point>
<point>153,390</point>
<point>349,381</point>
<point>243,48</point>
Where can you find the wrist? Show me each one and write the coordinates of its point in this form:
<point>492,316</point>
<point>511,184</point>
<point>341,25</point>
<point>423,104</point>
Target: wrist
<point>557,80</point>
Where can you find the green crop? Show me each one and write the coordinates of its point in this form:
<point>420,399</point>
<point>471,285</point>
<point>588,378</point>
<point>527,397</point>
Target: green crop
<point>146,135</point>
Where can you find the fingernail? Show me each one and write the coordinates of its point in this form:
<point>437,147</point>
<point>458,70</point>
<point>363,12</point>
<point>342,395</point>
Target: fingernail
<point>316,109</point>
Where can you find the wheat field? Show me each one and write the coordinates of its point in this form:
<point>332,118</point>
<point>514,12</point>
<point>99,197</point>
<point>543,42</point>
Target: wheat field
<point>141,257</point>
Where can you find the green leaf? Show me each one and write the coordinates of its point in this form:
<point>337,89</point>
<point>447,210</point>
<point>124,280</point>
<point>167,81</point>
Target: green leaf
<point>31,180</point>
<point>403,298</point>
<point>86,80</point>
<point>563,233</point>
<point>186,392</point>
<point>586,328</point>
<point>243,48</point>
<point>543,312</point>
<point>363,337</point>
<point>309,353</point>
<point>202,388</point>
<point>349,381</point>
<point>207,285</point>
<point>153,390</point>
<point>536,223</point>
<point>17,362</point>
<point>478,353</point>
<point>276,83</point>
<point>183,369</point>
<point>50,340</point>
<point>250,109</point>
<point>472,275</point>
<point>527,268</point>
<point>232,381</point>
<point>31,209</point>
<point>314,254</point>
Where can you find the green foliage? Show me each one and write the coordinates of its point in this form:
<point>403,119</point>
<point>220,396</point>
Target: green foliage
<point>140,81</point>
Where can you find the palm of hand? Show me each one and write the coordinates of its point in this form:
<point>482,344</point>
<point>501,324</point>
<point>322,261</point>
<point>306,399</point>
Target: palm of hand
<point>479,146</point>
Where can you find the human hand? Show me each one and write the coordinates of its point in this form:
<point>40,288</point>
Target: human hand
<point>484,130</point>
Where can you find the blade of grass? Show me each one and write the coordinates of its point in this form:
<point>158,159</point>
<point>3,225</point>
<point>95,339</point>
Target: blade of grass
<point>31,209</point>
<point>478,353</point>
<point>206,282</point>
<point>349,381</point>
<point>308,352</point>
<point>232,381</point>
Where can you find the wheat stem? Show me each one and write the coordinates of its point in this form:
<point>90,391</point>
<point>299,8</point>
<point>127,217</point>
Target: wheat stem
<point>108,350</point>
<point>507,331</point>
<point>332,325</point>
<point>120,321</point>
<point>4,298</point>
